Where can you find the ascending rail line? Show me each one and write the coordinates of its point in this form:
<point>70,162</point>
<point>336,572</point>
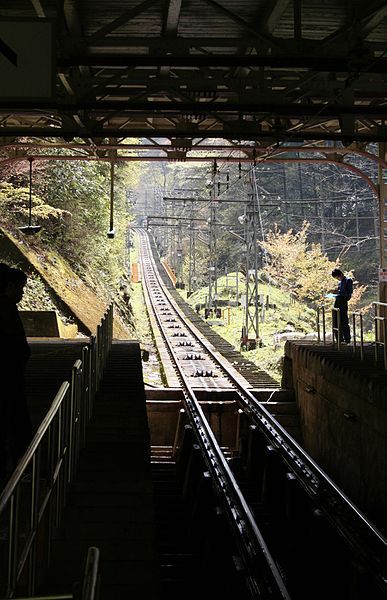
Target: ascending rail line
<point>197,365</point>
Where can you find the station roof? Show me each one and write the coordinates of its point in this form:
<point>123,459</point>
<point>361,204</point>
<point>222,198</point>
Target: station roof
<point>265,70</point>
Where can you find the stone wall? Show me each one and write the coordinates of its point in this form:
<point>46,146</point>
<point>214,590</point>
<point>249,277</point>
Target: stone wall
<point>343,419</point>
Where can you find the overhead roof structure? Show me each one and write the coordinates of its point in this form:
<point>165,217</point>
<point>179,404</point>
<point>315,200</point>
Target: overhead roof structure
<point>265,70</point>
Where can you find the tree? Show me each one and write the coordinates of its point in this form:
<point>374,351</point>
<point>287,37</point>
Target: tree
<point>296,266</point>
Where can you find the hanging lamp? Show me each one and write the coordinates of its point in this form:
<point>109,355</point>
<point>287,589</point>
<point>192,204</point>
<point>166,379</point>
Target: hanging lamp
<point>111,232</point>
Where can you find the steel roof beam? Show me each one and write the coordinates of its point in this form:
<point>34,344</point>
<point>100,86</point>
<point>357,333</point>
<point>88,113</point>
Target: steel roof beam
<point>121,20</point>
<point>166,108</point>
<point>40,12</point>
<point>172,16</point>
<point>232,131</point>
<point>334,64</point>
<point>360,26</point>
<point>267,40</point>
<point>273,13</point>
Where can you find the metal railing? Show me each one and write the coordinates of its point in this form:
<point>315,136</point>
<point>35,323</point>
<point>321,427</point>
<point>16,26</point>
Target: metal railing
<point>90,581</point>
<point>88,589</point>
<point>100,346</point>
<point>336,328</point>
<point>32,501</point>
<point>361,334</point>
<point>321,319</point>
<point>380,330</point>
<point>380,327</point>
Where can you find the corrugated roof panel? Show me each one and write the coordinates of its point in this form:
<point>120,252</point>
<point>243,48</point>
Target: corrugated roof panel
<point>319,19</point>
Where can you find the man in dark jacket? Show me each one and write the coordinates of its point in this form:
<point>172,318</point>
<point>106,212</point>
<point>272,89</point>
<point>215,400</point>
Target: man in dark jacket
<point>344,293</point>
<point>15,422</point>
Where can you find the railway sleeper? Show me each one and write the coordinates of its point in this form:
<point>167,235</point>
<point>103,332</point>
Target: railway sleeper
<point>204,373</point>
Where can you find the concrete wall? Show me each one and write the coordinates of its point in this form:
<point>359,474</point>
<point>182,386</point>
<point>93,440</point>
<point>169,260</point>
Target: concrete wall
<point>46,323</point>
<point>343,418</point>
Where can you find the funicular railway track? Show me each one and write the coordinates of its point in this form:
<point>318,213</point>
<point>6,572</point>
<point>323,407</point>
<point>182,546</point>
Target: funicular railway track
<point>256,377</point>
<point>292,532</point>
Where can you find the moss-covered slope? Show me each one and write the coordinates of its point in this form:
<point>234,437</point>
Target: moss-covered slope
<point>71,294</point>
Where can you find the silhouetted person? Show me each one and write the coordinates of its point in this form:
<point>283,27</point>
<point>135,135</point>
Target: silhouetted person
<point>15,422</point>
<point>344,293</point>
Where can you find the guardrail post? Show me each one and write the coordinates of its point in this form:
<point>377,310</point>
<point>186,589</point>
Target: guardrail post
<point>321,313</point>
<point>336,327</point>
<point>318,324</point>
<point>90,581</point>
<point>354,315</point>
<point>85,394</point>
<point>34,519</point>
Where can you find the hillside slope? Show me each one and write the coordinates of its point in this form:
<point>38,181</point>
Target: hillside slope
<point>73,297</point>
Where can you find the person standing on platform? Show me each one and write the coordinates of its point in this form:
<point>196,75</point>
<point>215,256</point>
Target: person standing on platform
<point>343,295</point>
<point>15,422</point>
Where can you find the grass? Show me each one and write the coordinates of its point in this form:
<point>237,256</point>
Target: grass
<point>286,311</point>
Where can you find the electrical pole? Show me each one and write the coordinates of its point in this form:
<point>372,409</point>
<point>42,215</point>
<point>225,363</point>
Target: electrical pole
<point>192,257</point>
<point>179,258</point>
<point>250,331</point>
<point>212,262</point>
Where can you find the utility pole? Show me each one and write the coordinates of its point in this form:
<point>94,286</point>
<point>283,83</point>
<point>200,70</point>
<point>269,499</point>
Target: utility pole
<point>179,258</point>
<point>192,256</point>
<point>250,331</point>
<point>212,259</point>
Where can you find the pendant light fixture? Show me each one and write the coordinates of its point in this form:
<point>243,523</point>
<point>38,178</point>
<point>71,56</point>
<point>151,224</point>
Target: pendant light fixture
<point>111,232</point>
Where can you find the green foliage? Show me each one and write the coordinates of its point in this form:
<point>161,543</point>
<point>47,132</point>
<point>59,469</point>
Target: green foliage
<point>36,296</point>
<point>297,266</point>
<point>287,310</point>
<point>82,189</point>
<point>71,201</point>
<point>14,208</point>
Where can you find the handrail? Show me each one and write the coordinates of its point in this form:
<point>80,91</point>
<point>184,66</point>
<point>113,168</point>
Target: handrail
<point>102,342</point>
<point>90,582</point>
<point>49,466</point>
<point>50,597</point>
<point>336,327</point>
<point>380,331</point>
<point>380,326</point>
<point>321,310</point>
<point>53,436</point>
<point>89,589</point>
<point>354,343</point>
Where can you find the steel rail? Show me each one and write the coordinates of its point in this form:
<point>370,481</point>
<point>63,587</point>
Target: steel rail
<point>360,534</point>
<point>251,542</point>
